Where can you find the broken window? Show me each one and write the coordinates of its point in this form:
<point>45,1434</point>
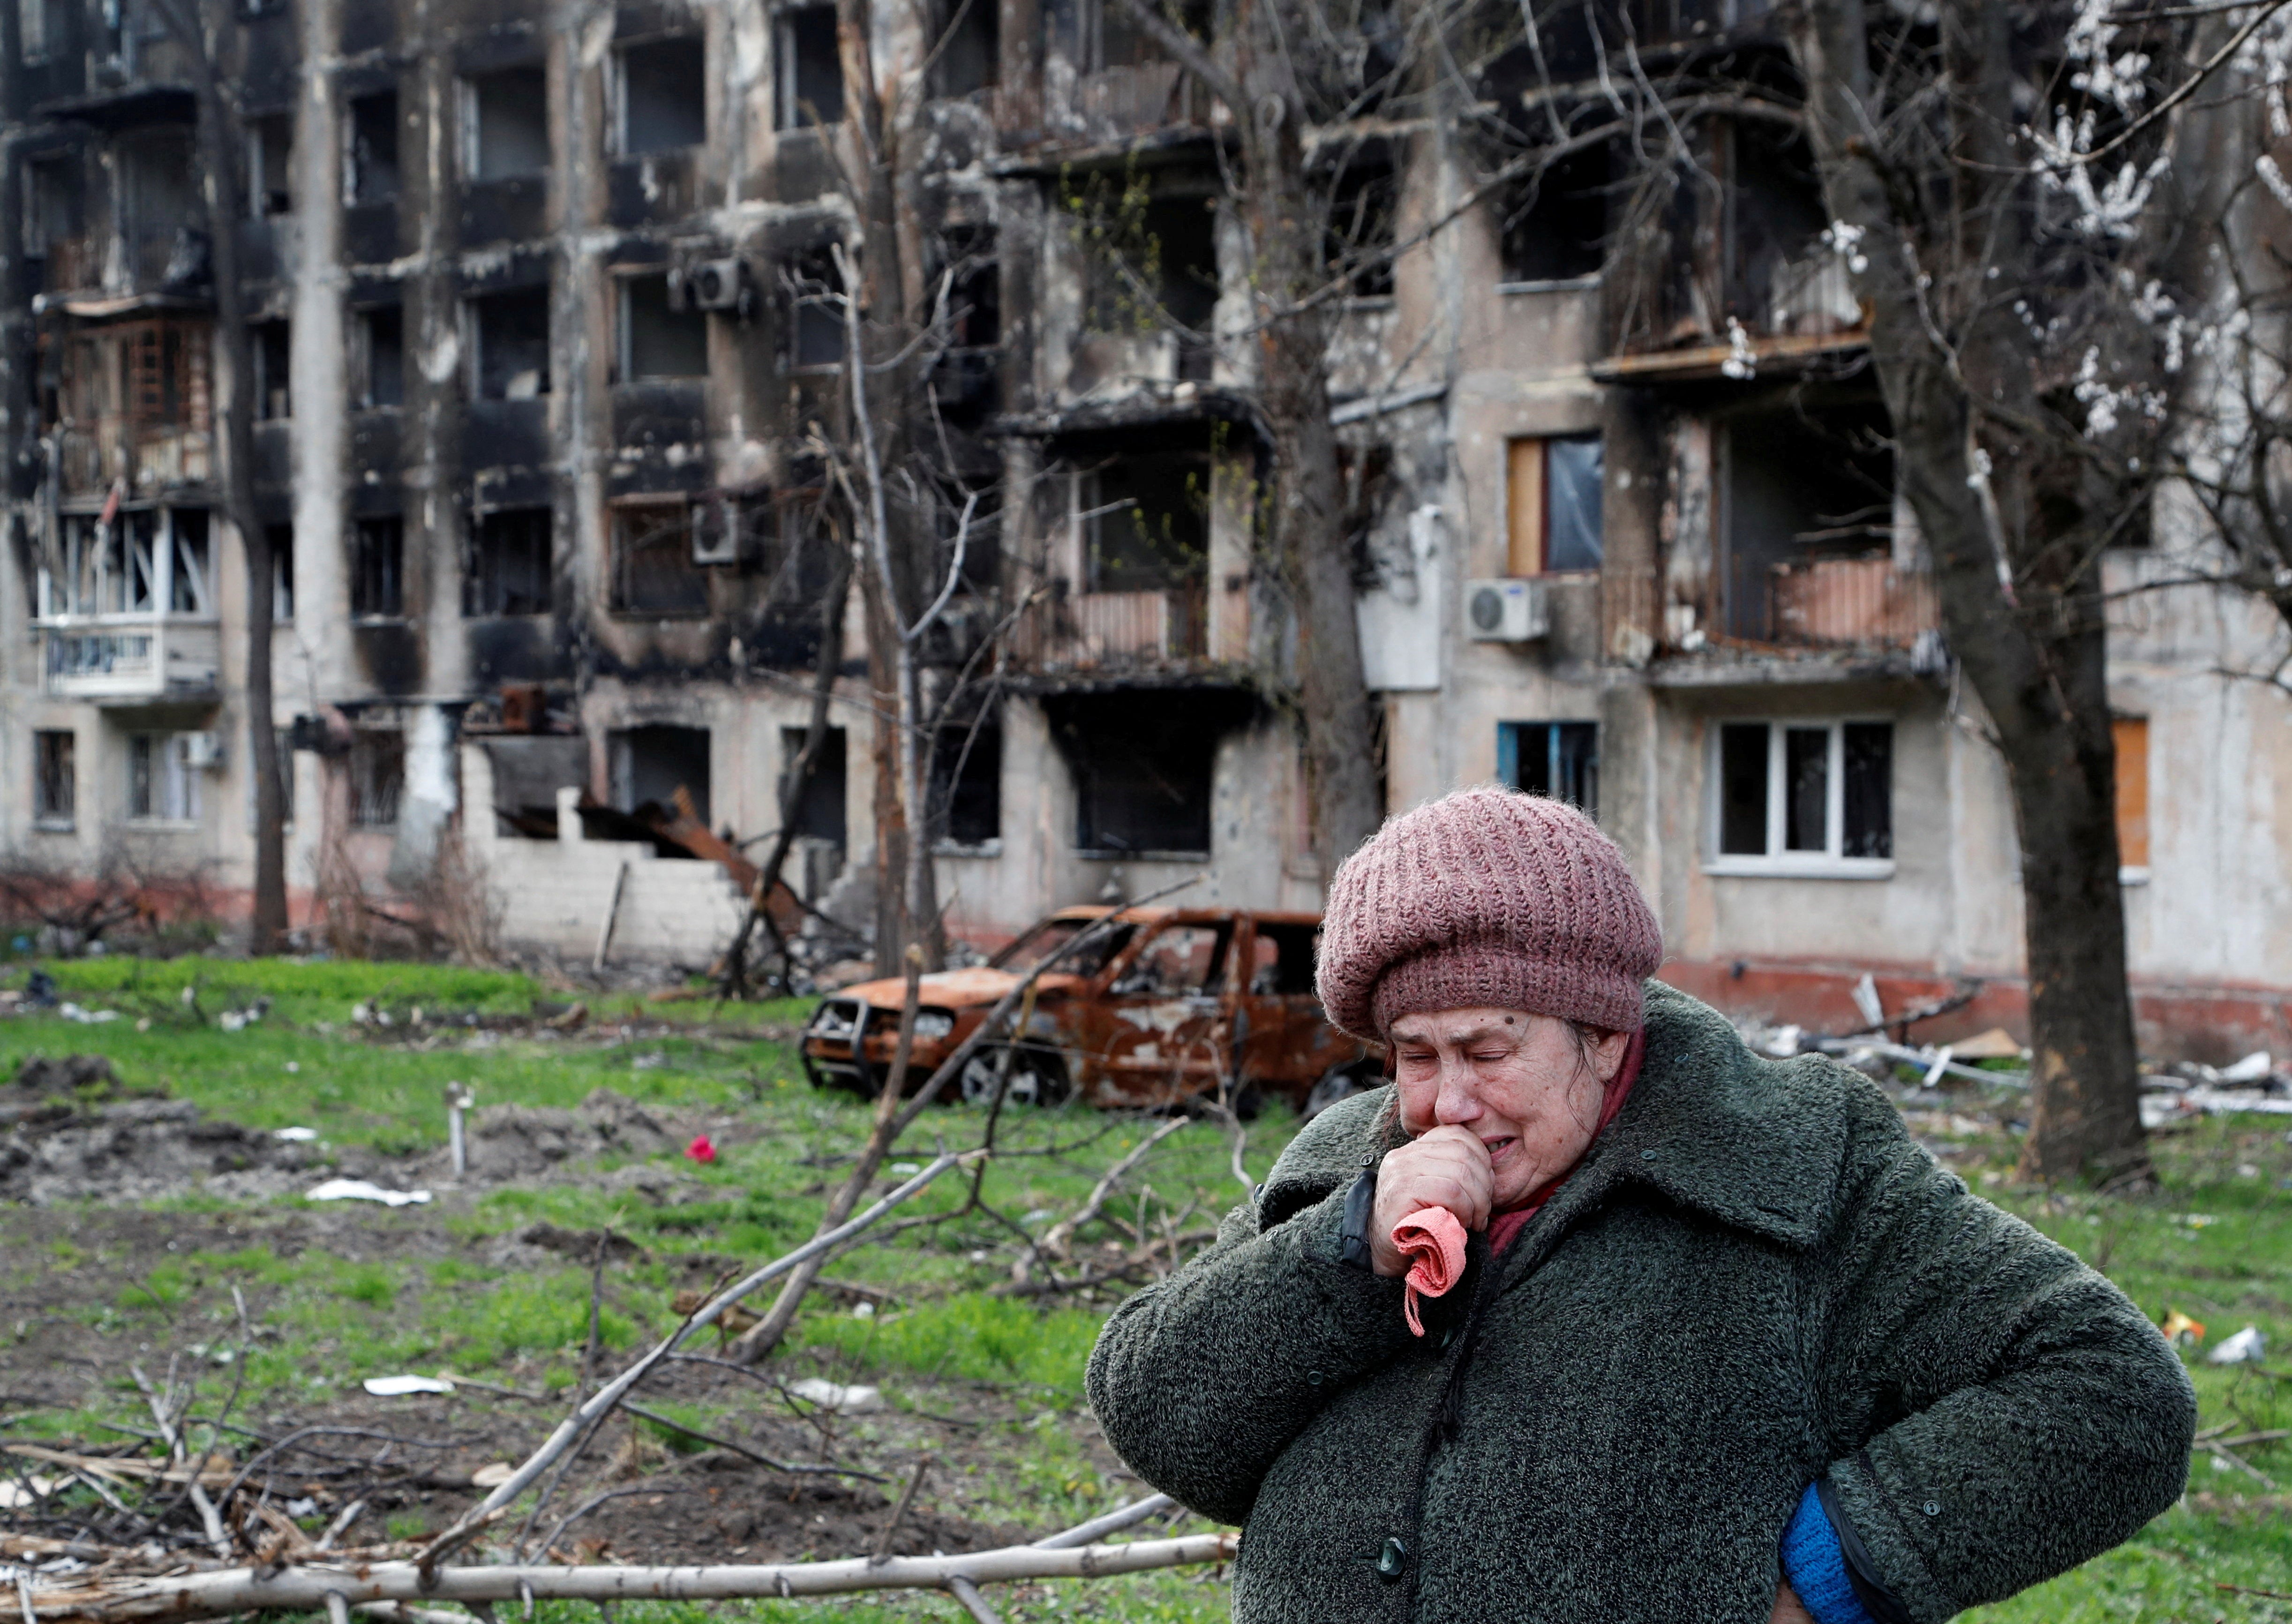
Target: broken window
<point>658,340</point>
<point>52,203</point>
<point>1805,797</point>
<point>375,768</point>
<point>508,124</point>
<point>1143,764</point>
<point>1048,940</point>
<point>974,291</point>
<point>1176,960</point>
<point>56,780</point>
<point>1559,760</point>
<point>1779,278</point>
<point>810,71</point>
<point>1552,499</point>
<point>380,336</point>
<point>1810,483</point>
<point>2130,736</point>
<point>653,571</point>
<point>1556,226</point>
<point>163,785</point>
<point>511,331</point>
<point>508,568</point>
<point>815,312</point>
<point>650,764</point>
<point>281,538</point>
<point>966,783</point>
<point>1282,961</point>
<point>377,566</point>
<point>272,348</point>
<point>819,813</point>
<point>190,588</point>
<point>269,164</point>
<point>373,148</point>
<point>664,96</point>
<point>163,214</point>
<point>1114,38</point>
<point>1152,264</point>
<point>1358,238</point>
<point>1146,520</point>
<point>971,48</point>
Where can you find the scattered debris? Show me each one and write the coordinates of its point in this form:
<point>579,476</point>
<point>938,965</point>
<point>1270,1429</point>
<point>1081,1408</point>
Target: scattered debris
<point>520,1141</point>
<point>70,1130</point>
<point>837,1397</point>
<point>2181,1330</point>
<point>1995,1044</point>
<point>401,1387</point>
<point>360,1190</point>
<point>297,1136</point>
<point>2247,1346</point>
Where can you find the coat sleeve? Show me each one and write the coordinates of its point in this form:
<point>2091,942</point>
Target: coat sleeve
<point>1998,1411</point>
<point>1202,1381</point>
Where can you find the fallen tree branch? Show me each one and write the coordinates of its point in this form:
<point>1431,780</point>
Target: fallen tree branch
<point>612,1392</point>
<point>305,1589</point>
<point>1055,1240</point>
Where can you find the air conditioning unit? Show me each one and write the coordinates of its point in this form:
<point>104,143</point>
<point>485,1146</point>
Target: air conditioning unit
<point>716,284</point>
<point>715,531</point>
<point>1513,610</point>
<point>203,751</point>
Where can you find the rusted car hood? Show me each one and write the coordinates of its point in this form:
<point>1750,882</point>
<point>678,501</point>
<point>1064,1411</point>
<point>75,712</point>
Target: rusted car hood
<point>972,988</point>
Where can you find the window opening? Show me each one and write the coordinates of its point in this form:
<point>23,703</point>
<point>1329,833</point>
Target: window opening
<point>1146,522</point>
<point>509,566</point>
<point>664,96</point>
<point>658,341</point>
<point>282,571</point>
<point>1556,228</point>
<point>53,212</point>
<point>381,334</point>
<point>816,307</point>
<point>373,147</point>
<point>1795,794</point>
<point>162,787</point>
<point>653,571</point>
<point>971,48</point>
<point>377,566</point>
<point>1283,960</point>
<point>512,344</point>
<point>190,587</point>
<point>270,164</point>
<point>1176,960</point>
<point>509,124</point>
<point>810,71</point>
<point>2131,735</point>
<point>819,813</point>
<point>1145,766</point>
<point>55,781</point>
<point>1559,760</point>
<point>1117,41</point>
<point>273,348</point>
<point>376,769</point>
<point>1363,200</point>
<point>1801,488</point>
<point>1553,505</point>
<point>651,764</point>
<point>966,784</point>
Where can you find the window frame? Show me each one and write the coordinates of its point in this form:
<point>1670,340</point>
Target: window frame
<point>1778,862</point>
<point>46,817</point>
<point>169,746</point>
<point>473,87</point>
<point>625,288</point>
<point>1537,488</point>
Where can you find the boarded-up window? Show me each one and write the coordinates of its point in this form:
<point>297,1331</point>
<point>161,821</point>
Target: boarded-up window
<point>1553,505</point>
<point>2132,735</point>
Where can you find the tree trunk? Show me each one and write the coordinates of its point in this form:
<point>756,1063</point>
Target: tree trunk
<point>221,140</point>
<point>1308,537</point>
<point>2026,627</point>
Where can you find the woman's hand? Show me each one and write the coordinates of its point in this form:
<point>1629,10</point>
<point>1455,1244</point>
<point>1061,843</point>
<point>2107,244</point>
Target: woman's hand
<point>1788,1608</point>
<point>1445,1167</point>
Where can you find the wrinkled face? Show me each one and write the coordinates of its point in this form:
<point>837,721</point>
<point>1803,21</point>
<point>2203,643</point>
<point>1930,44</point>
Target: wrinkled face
<point>1521,1084</point>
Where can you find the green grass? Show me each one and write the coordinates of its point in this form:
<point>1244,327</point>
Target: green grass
<point>424,1293</point>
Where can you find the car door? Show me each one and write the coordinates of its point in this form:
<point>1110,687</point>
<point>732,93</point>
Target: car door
<point>1159,1033</point>
<point>1287,1042</point>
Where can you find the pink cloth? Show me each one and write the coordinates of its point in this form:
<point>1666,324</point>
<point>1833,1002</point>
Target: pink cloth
<point>1487,899</point>
<point>1433,1241</point>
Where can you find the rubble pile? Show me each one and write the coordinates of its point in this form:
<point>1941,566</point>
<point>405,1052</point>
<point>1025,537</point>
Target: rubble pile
<point>2256,1084</point>
<point>508,1142</point>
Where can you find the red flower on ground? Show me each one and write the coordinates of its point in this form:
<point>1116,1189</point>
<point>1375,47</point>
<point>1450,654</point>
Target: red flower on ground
<point>700,1149</point>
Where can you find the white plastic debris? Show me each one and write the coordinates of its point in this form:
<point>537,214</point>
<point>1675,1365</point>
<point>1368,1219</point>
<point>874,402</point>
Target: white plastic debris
<point>400,1386</point>
<point>359,1190</point>
<point>2254,1068</point>
<point>853,1401</point>
<point>85,1017</point>
<point>493,1476</point>
<point>863,1310</point>
<point>905,1166</point>
<point>297,1136</point>
<point>1941,1065</point>
<point>1866,999</point>
<point>1783,1042</point>
<point>2247,1348</point>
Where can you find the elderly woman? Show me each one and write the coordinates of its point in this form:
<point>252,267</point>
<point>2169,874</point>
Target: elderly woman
<point>1727,1345</point>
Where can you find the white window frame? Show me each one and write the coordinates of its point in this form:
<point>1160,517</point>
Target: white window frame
<point>1830,863</point>
<point>167,760</point>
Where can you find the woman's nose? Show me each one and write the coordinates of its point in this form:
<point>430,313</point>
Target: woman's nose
<point>1458,1101</point>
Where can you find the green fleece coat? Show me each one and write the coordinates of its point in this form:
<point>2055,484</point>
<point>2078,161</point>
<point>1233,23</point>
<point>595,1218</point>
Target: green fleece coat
<point>1756,1278</point>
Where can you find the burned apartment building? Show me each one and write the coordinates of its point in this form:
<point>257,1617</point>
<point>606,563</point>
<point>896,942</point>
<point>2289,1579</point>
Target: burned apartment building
<point>546,339</point>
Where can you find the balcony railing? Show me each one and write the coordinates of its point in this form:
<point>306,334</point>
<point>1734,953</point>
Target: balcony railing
<point>1850,603</point>
<point>93,459</point>
<point>131,656</point>
<point>1147,97</point>
<point>1103,631</point>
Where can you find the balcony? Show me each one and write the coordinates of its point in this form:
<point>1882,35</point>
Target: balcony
<point>1117,632</point>
<point>1850,603</point>
<point>147,460</point>
<point>131,659</point>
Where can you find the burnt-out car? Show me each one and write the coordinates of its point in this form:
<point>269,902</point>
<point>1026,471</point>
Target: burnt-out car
<point>1163,1005</point>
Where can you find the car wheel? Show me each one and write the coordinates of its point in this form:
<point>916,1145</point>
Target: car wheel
<point>1340,1083</point>
<point>1037,1077</point>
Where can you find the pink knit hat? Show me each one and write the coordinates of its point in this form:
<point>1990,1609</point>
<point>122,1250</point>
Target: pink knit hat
<point>1486,899</point>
